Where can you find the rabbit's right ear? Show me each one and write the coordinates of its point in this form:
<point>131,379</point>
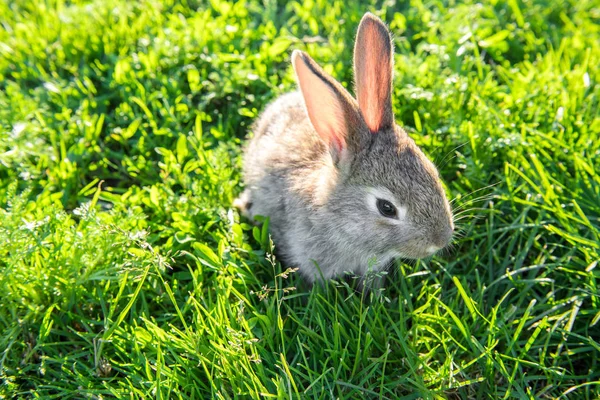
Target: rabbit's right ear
<point>331,109</point>
<point>373,66</point>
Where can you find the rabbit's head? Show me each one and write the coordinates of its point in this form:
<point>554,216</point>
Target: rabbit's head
<point>384,196</point>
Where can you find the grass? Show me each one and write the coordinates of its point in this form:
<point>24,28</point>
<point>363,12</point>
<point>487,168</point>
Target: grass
<point>124,271</point>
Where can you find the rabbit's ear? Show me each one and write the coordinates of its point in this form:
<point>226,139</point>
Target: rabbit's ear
<point>373,65</point>
<point>331,109</point>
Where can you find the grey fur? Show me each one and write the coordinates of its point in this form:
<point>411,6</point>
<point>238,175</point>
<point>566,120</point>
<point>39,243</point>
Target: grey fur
<point>318,204</point>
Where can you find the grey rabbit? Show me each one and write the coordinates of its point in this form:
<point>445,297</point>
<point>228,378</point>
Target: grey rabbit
<point>345,188</point>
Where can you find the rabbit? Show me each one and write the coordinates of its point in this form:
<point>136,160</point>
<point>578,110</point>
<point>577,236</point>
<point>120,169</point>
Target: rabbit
<point>345,188</point>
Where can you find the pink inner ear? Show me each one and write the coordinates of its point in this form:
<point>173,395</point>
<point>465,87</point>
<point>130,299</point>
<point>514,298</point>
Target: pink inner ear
<point>339,142</point>
<point>373,72</point>
<point>323,106</point>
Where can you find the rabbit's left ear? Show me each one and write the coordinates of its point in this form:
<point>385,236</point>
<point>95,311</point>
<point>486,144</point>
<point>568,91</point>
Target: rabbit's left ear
<point>373,65</point>
<point>331,109</point>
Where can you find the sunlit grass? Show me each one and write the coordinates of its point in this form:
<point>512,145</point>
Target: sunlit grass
<point>124,270</point>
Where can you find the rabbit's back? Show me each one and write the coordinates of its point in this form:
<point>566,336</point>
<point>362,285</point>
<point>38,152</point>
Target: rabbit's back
<point>283,137</point>
<point>284,151</point>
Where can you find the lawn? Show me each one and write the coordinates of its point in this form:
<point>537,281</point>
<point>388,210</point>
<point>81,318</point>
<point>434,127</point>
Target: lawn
<point>125,271</point>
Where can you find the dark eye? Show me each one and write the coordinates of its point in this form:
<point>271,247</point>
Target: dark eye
<point>386,208</point>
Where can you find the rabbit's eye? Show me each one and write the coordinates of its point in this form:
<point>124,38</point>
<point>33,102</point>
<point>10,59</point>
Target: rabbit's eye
<point>386,208</point>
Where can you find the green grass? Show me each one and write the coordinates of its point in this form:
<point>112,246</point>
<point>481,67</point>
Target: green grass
<point>125,272</point>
